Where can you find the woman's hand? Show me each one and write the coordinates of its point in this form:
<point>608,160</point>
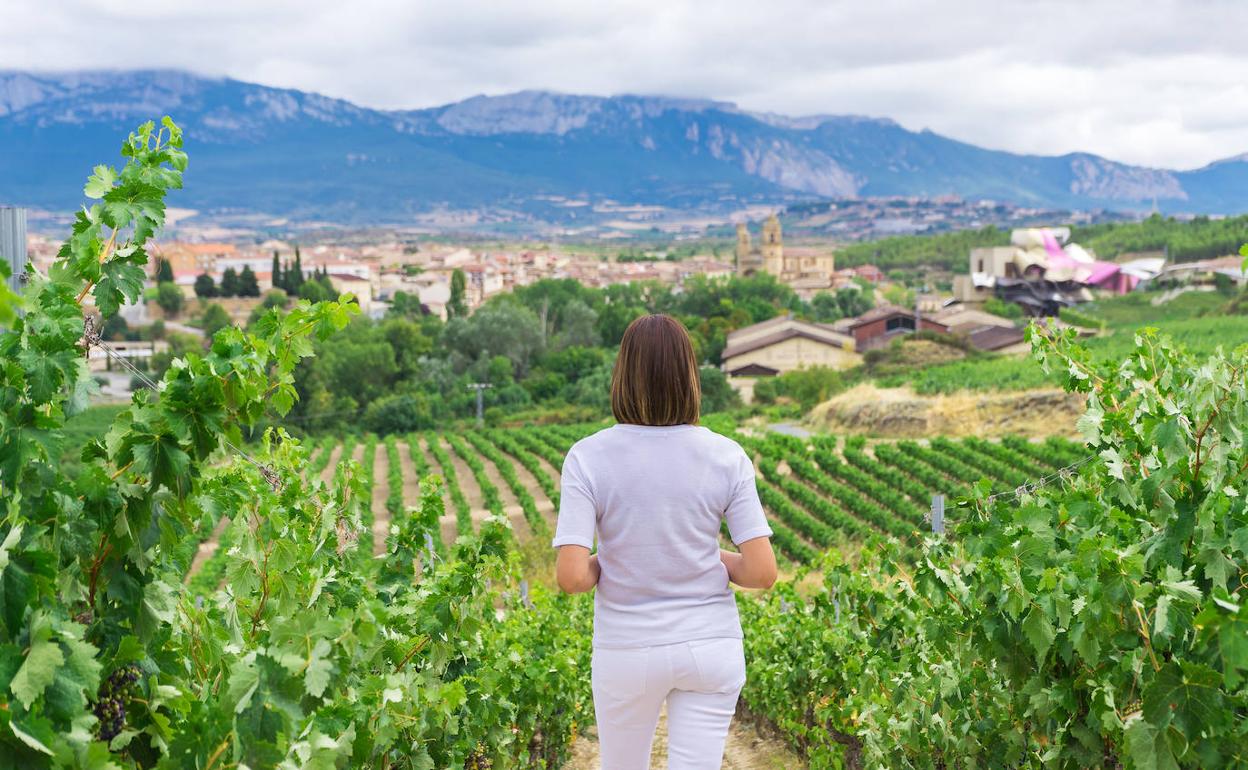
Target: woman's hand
<point>754,566</point>
<point>576,571</point>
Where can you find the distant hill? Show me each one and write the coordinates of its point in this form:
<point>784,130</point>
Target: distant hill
<point>302,155</point>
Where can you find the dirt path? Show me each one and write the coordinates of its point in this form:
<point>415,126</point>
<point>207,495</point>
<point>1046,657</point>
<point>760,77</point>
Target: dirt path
<point>206,549</point>
<point>335,455</point>
<point>745,749</point>
<point>511,506</point>
<point>467,482</point>
<point>551,470</point>
<point>411,482</point>
<point>544,505</point>
<point>381,492</point>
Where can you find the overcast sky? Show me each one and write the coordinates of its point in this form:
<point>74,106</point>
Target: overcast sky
<point>1152,82</point>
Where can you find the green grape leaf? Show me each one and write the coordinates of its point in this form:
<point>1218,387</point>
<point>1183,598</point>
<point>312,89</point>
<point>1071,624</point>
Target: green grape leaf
<point>100,182</point>
<point>1185,695</point>
<point>316,678</point>
<point>1039,632</point>
<point>39,669</point>
<point>1148,747</point>
<point>161,458</point>
<point>46,373</point>
<point>35,732</point>
<point>120,280</point>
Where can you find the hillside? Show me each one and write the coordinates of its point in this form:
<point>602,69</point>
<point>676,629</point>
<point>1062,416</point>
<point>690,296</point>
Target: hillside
<point>522,155</point>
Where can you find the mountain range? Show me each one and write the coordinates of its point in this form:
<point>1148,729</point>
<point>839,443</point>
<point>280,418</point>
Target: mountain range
<point>283,152</point>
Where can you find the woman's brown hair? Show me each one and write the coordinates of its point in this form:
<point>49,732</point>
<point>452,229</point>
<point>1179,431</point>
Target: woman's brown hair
<point>655,380</point>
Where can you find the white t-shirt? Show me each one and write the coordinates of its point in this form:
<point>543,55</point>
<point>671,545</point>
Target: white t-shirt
<point>656,496</point>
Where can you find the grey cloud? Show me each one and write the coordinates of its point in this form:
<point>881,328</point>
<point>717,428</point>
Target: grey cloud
<point>1156,82</point>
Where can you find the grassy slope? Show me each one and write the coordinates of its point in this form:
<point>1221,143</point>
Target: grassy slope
<point>1181,318</point>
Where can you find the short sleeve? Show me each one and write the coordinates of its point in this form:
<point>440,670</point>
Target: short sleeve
<point>744,513</point>
<point>575,525</point>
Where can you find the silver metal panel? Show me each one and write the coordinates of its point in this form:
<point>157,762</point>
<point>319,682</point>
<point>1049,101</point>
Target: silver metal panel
<point>13,244</point>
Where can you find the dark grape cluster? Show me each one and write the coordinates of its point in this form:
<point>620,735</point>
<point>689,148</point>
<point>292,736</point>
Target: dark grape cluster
<point>110,706</point>
<point>478,760</point>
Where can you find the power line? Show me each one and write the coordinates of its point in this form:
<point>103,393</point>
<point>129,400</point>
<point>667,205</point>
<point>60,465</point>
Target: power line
<point>1064,473</point>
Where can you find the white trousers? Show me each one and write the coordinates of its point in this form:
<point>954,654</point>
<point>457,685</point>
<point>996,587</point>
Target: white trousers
<point>699,680</point>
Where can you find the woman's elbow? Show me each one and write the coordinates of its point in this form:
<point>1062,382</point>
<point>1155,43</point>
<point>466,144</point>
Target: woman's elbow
<point>573,582</point>
<point>768,577</point>
<point>567,584</point>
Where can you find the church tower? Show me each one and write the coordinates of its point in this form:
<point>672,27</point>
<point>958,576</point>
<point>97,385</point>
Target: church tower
<point>773,247</point>
<point>743,246</point>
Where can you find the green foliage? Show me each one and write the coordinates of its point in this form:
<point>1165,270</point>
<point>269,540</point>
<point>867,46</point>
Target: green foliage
<point>9,301</point>
<point>847,302</point>
<point>1200,335</point>
<point>169,298</point>
<point>717,394</point>
<point>399,413</point>
<point>214,318</point>
<point>275,298</point>
<point>1004,309</point>
<point>164,271</point>
<point>947,251</point>
<point>457,307</point>
<point>248,286</point>
<point>304,652</point>
<point>1097,622</point>
<point>1183,241</point>
<point>205,287</point>
<point>463,513</point>
<point>1198,238</point>
<point>808,386</point>
<point>229,283</point>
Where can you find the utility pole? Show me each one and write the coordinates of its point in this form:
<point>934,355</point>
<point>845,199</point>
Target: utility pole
<point>480,388</point>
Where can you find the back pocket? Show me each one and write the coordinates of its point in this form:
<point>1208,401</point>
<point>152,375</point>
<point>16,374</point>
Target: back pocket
<point>618,674</point>
<point>720,663</point>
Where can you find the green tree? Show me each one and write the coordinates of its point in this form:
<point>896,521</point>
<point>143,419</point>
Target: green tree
<point>248,286</point>
<point>275,272</point>
<point>295,277</point>
<point>457,307</point>
<point>275,298</point>
<point>405,304</point>
<point>717,394</point>
<point>214,318</point>
<point>315,291</point>
<point>115,328</point>
<point>622,304</point>
<point>169,297</point>
<point>229,283</point>
<point>399,413</point>
<point>578,326</point>
<point>205,287</point>
<point>501,327</point>
<point>164,271</point>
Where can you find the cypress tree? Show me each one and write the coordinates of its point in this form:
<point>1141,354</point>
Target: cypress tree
<point>164,271</point>
<point>296,279</point>
<point>247,284</point>
<point>276,272</point>
<point>229,283</point>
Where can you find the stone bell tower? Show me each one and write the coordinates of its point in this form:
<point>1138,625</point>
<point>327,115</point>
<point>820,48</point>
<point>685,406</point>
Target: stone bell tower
<point>773,247</point>
<point>743,246</point>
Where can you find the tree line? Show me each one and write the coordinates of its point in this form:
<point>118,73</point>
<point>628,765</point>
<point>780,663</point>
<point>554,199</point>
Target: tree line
<point>546,349</point>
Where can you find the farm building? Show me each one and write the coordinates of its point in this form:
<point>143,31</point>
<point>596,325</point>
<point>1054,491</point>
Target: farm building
<point>783,344</point>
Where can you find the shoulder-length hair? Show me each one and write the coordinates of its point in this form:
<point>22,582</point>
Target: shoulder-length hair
<point>655,380</point>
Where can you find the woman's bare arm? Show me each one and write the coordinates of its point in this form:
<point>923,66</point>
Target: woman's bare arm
<point>754,566</point>
<point>576,571</point>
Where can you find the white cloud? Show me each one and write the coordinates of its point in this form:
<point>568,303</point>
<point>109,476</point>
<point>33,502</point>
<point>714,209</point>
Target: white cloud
<point>1155,82</point>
